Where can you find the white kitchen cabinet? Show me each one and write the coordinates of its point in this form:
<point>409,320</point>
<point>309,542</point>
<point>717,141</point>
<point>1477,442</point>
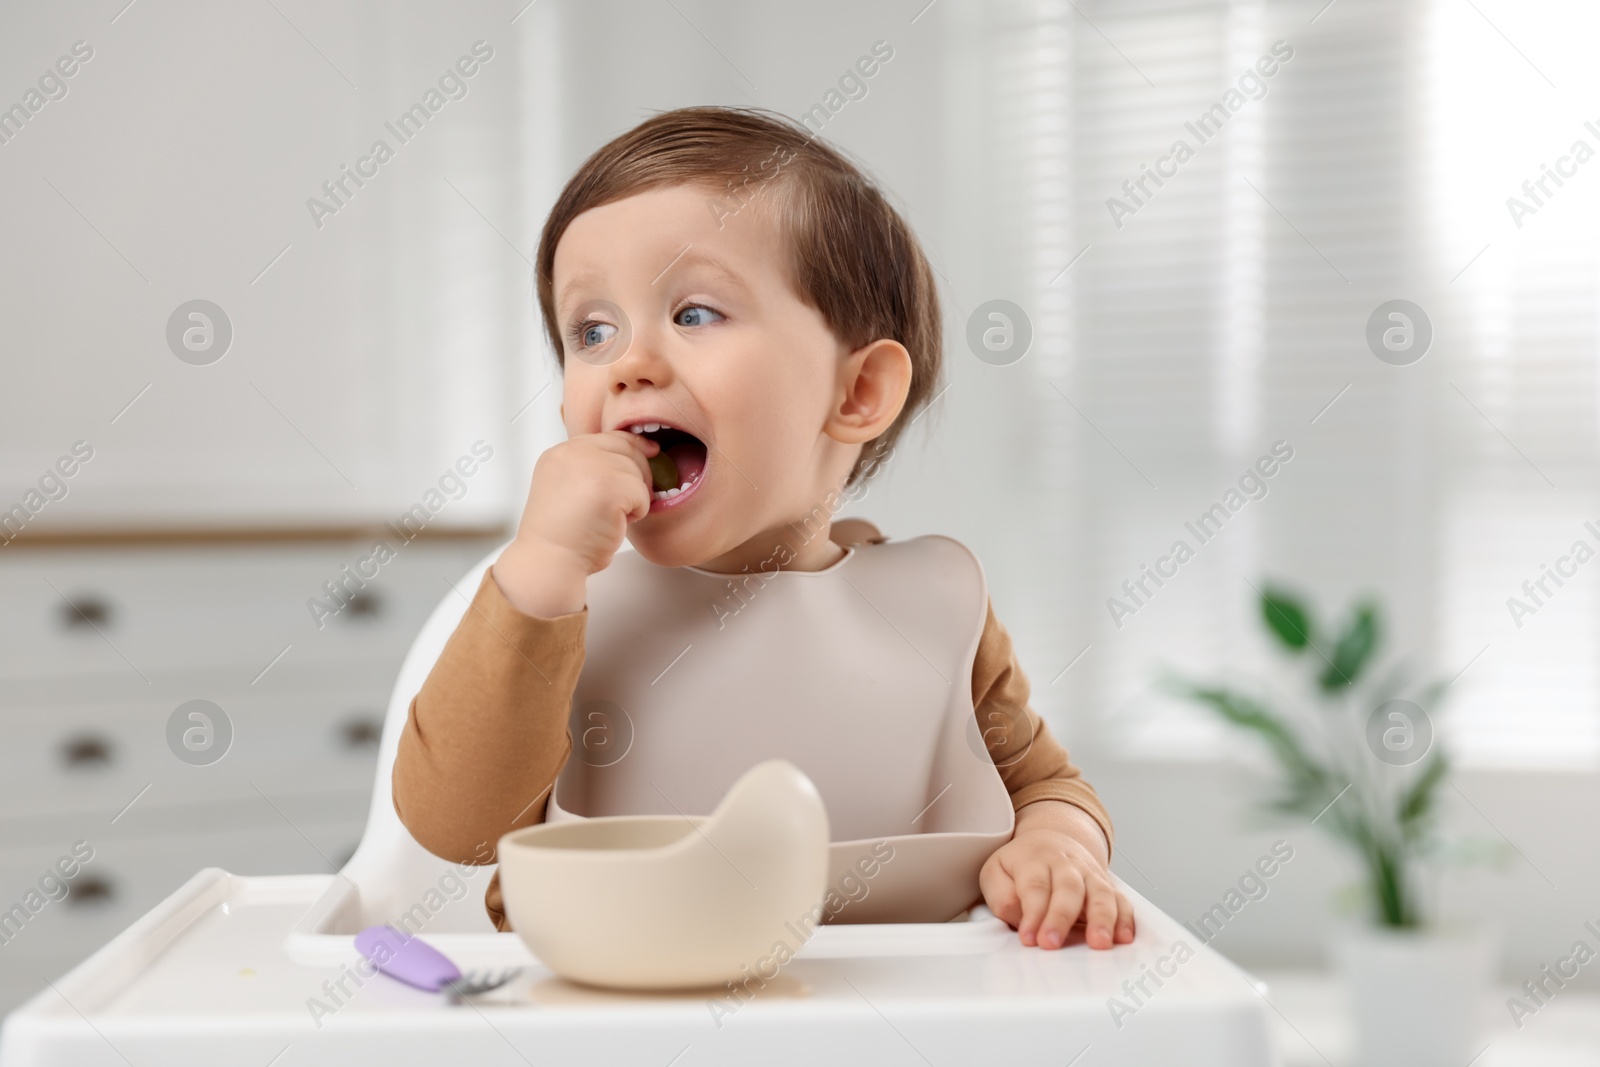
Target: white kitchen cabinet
<point>100,645</point>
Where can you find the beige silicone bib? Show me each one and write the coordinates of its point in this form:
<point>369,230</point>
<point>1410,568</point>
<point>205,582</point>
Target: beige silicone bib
<point>860,674</point>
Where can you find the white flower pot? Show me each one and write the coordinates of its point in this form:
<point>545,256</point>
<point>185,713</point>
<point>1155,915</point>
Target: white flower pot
<point>1416,994</point>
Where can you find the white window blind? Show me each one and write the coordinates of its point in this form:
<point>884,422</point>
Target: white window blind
<point>1227,312</point>
<point>1150,386</point>
<point>1509,85</point>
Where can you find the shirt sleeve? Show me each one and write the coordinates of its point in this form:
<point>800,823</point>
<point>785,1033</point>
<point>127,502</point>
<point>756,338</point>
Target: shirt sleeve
<point>1031,761</point>
<point>488,732</point>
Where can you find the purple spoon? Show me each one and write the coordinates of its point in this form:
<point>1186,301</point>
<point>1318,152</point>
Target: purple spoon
<point>407,958</point>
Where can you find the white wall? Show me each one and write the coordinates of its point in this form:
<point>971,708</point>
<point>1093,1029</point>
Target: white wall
<point>364,361</point>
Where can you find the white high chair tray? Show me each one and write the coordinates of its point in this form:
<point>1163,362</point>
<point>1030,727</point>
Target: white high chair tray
<point>206,978</point>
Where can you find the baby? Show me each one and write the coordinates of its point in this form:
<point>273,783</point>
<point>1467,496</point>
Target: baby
<point>745,327</point>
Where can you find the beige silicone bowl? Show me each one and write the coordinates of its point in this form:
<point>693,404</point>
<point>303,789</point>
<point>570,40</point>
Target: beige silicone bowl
<point>672,901</point>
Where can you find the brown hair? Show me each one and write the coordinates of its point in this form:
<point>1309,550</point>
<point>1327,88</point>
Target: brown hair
<point>850,254</point>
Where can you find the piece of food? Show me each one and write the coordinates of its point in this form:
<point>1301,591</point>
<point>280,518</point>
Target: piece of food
<point>663,471</point>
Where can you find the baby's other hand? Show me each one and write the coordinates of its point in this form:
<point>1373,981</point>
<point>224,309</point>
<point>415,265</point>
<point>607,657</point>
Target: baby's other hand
<point>1043,879</point>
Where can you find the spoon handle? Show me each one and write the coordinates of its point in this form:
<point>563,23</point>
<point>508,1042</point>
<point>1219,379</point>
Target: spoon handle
<point>407,958</point>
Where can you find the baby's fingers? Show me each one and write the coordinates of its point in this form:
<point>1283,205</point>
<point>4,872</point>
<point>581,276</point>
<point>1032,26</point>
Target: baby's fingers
<point>1066,900</point>
<point>1000,891</point>
<point>1016,890</point>
<point>1125,924</point>
<point>632,493</point>
<point>633,448</point>
<point>1100,913</point>
<point>1033,887</point>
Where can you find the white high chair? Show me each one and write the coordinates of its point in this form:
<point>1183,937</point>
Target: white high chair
<point>389,870</point>
<point>226,969</point>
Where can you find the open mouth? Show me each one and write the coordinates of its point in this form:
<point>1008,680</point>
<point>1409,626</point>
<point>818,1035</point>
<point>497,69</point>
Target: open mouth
<point>677,468</point>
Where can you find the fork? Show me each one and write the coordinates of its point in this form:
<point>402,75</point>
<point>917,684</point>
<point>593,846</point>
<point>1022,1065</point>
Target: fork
<point>473,982</point>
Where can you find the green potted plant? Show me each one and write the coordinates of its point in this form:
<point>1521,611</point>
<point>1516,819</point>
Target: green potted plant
<point>1363,764</point>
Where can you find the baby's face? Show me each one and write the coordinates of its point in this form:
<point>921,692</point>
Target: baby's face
<point>668,318</point>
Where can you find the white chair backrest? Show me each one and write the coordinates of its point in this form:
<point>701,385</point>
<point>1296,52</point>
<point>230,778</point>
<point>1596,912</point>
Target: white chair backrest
<point>390,870</point>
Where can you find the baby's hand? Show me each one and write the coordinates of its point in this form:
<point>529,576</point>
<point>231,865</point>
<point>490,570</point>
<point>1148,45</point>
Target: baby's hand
<point>585,491</point>
<point>1043,879</point>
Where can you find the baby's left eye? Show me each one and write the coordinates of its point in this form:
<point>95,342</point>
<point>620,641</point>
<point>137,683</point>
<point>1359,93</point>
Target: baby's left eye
<point>681,320</point>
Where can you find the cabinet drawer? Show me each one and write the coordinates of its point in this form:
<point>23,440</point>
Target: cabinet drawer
<point>140,611</point>
<point>97,758</point>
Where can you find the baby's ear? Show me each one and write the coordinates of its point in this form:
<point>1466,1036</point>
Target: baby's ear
<point>847,532</point>
<point>873,384</point>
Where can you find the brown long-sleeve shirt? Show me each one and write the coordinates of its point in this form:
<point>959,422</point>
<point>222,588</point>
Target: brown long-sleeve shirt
<point>488,733</point>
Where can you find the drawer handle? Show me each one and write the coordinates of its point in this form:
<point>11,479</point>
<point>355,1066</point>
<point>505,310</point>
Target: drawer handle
<point>361,732</point>
<point>87,751</point>
<point>364,605</point>
<point>86,612</point>
<point>91,890</point>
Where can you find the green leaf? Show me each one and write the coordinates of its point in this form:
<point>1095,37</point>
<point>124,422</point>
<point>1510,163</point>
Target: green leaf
<point>1353,651</point>
<point>1416,803</point>
<point>1286,617</point>
<point>1386,869</point>
<point>1305,775</point>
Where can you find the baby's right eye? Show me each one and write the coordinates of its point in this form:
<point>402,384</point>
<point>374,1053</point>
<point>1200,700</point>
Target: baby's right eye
<point>588,333</point>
